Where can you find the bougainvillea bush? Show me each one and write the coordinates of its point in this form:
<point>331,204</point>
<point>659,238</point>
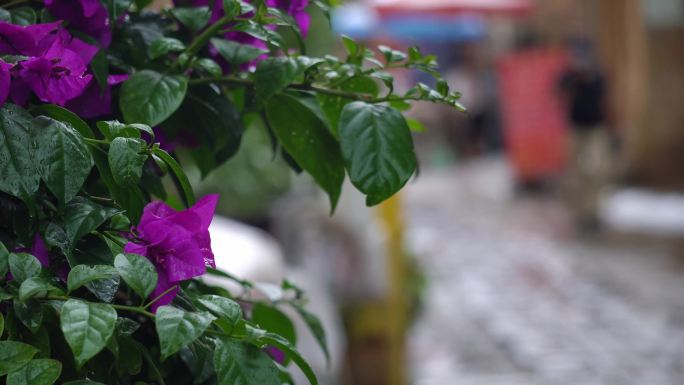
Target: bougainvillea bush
<point>102,241</point>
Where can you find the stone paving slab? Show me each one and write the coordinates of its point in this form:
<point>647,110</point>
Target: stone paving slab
<point>514,298</point>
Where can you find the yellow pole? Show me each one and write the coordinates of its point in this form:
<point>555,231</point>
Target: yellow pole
<point>392,221</point>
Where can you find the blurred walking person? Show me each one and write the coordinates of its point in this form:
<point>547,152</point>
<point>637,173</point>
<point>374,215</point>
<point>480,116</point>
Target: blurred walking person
<point>584,90</point>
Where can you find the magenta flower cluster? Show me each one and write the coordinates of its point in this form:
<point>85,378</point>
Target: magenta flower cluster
<point>176,242</point>
<point>294,8</point>
<point>51,64</point>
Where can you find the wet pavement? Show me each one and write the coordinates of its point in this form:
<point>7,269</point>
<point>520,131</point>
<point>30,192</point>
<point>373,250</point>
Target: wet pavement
<point>515,297</point>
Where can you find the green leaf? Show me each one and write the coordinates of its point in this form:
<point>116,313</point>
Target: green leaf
<point>99,66</point>
<point>377,148</point>
<point>194,18</point>
<point>104,289</point>
<point>130,357</point>
<point>66,116</point>
<point>30,313</point>
<point>5,295</point>
<point>83,382</point>
<point>18,175</point>
<point>82,216</point>
<point>140,4</point>
<point>55,236</point>
<point>333,105</point>
<point>82,274</point>
<point>36,372</point>
<point>62,157</point>
<point>4,260</point>
<point>350,45</point>
<point>23,266</point>
<point>400,105</point>
<point>35,287</point>
<point>217,123</point>
<point>274,74</point>
<point>41,338</point>
<point>235,53</point>
<point>316,328</point>
<point>259,31</point>
<point>208,67</point>
<point>415,125</point>
<point>273,320</point>
<point>87,327</point>
<point>179,174</point>
<point>165,45</point>
<point>237,363</point>
<point>2,324</point>
<point>177,328</point>
<point>130,198</point>
<point>23,16</point>
<point>138,273</point>
<point>113,128</point>
<point>287,348</point>
<point>309,142</point>
<point>126,159</point>
<point>150,97</point>
<point>14,355</point>
<point>222,307</point>
<point>391,55</point>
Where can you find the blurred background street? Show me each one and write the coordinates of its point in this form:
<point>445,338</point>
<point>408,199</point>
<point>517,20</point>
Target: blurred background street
<point>515,297</point>
<point>541,242</point>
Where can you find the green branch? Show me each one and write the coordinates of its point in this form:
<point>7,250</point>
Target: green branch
<point>15,2</point>
<point>202,39</point>
<point>133,309</point>
<point>231,80</point>
<point>167,291</point>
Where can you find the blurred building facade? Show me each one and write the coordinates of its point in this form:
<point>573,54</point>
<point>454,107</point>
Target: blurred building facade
<point>641,48</point>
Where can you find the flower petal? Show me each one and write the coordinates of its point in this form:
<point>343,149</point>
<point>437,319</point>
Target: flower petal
<point>4,81</point>
<point>163,284</point>
<point>184,262</point>
<point>30,40</point>
<point>134,248</point>
<point>205,208</point>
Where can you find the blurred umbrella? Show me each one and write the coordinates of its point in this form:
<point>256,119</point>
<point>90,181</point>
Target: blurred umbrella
<point>361,22</point>
<point>356,20</point>
<point>451,7</point>
<point>436,29</point>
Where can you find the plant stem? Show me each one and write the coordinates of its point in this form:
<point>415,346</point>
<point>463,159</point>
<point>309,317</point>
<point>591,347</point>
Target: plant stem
<point>134,309</point>
<point>301,87</point>
<point>111,238</point>
<point>167,291</point>
<point>15,2</point>
<point>203,38</point>
<point>153,366</point>
<point>95,141</point>
<point>102,199</point>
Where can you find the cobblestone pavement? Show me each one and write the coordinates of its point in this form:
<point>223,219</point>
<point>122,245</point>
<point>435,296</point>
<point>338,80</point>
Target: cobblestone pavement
<point>514,298</point>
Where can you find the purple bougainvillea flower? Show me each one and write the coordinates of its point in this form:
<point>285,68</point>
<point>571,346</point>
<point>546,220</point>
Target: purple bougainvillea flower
<point>38,250</point>
<point>57,75</point>
<point>4,81</point>
<point>296,9</point>
<point>176,242</point>
<point>30,40</point>
<point>276,354</point>
<point>89,16</point>
<point>95,101</point>
<point>165,143</point>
